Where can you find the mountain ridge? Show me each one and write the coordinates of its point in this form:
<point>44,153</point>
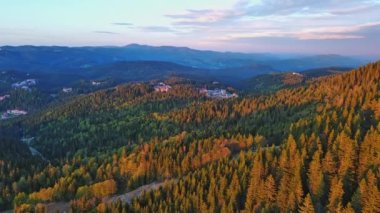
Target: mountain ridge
<point>50,58</point>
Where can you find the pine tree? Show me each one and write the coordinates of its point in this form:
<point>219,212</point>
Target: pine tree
<point>257,172</point>
<point>369,152</point>
<point>270,190</point>
<point>307,205</point>
<point>370,194</point>
<point>335,195</point>
<point>348,209</point>
<point>329,165</point>
<point>315,177</point>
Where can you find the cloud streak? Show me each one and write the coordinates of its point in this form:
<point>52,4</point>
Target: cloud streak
<point>106,32</point>
<point>122,24</point>
<point>157,29</point>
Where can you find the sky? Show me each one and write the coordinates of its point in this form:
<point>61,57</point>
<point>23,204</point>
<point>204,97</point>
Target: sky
<point>348,27</point>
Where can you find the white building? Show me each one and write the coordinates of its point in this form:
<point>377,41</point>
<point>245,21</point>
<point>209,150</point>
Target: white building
<point>161,87</point>
<point>296,73</point>
<point>17,112</point>
<point>67,89</point>
<point>13,113</point>
<point>217,93</point>
<point>4,97</point>
<point>96,83</point>
<point>203,91</point>
<point>25,84</point>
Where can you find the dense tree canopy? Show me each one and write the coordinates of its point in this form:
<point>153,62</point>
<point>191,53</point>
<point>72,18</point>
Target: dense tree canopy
<point>313,148</point>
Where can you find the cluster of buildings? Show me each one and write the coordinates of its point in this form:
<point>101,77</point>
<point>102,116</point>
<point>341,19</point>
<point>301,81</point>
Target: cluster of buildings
<point>4,97</point>
<point>213,93</point>
<point>217,93</point>
<point>162,87</point>
<point>12,113</point>
<point>25,84</point>
<point>93,83</point>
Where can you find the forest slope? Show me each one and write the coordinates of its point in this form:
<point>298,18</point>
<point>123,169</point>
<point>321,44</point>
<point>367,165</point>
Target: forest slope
<point>113,141</point>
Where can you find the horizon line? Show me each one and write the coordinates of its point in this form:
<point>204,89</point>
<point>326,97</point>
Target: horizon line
<point>191,48</point>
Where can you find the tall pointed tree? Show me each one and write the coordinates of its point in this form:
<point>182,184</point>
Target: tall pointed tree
<point>370,194</point>
<point>315,177</point>
<point>307,205</point>
<point>335,195</point>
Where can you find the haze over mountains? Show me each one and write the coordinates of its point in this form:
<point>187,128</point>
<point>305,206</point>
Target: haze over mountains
<point>61,58</point>
<point>62,66</point>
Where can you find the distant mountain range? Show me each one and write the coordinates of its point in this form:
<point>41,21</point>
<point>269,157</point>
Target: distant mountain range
<point>48,58</point>
<point>56,66</point>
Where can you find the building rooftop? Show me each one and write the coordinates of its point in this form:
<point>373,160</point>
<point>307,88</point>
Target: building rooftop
<point>162,87</point>
<point>217,93</point>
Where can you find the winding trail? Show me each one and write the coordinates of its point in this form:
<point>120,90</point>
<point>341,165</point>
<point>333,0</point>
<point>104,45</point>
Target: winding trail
<point>126,197</point>
<point>34,151</point>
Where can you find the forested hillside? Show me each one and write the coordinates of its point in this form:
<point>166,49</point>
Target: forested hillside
<point>311,148</point>
<point>274,81</point>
